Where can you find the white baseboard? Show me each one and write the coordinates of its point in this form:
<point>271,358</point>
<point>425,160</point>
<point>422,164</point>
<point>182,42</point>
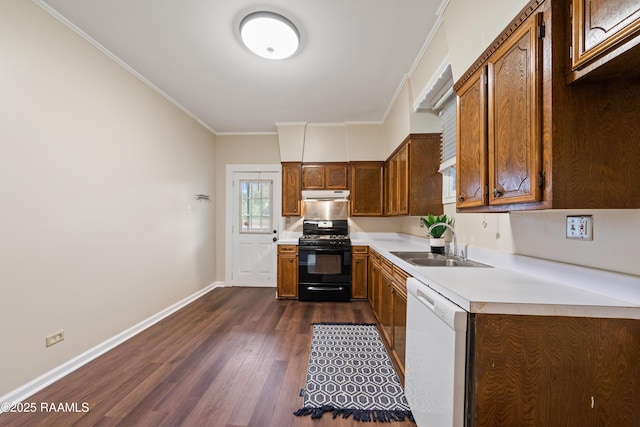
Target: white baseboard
<point>66,368</point>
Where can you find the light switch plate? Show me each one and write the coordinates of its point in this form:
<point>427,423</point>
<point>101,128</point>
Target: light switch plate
<point>580,227</point>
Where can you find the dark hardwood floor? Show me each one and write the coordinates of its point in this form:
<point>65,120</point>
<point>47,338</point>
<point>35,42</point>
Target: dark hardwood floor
<point>235,357</point>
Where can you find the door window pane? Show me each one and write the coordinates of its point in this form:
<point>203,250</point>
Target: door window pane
<point>255,206</point>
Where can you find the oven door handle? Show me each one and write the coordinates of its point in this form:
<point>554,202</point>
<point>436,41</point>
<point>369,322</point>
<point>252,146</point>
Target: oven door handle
<point>324,248</point>
<point>324,288</point>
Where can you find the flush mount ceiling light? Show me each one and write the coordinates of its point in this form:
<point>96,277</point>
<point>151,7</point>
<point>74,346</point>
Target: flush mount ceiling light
<point>269,35</point>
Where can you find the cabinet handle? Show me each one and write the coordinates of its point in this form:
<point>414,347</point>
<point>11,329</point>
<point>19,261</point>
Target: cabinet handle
<point>461,199</point>
<point>497,193</point>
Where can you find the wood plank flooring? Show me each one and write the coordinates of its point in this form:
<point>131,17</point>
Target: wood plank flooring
<point>235,357</point>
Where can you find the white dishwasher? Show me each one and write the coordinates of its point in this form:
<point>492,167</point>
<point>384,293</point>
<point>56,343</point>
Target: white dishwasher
<point>435,357</point>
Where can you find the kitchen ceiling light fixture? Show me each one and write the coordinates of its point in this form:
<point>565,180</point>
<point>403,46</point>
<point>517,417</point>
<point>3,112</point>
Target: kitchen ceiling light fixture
<point>269,35</point>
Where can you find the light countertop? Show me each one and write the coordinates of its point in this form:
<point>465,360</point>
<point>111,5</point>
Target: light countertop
<point>516,284</point>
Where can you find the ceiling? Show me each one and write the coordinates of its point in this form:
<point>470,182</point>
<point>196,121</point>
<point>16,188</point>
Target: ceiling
<point>354,56</point>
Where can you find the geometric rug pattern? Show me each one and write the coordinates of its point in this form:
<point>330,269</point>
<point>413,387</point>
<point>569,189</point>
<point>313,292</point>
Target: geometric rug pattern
<point>350,374</point>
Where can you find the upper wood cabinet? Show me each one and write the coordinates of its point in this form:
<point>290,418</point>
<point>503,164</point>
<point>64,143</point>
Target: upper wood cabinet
<point>601,31</point>
<point>547,144</point>
<point>514,119</point>
<point>324,176</point>
<point>366,188</point>
<point>391,186</point>
<point>499,140</point>
<point>291,195</point>
<point>471,150</point>
<point>413,183</point>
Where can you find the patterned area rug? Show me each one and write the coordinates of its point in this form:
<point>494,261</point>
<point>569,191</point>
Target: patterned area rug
<point>350,374</point>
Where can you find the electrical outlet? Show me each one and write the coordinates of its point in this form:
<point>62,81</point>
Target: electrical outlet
<point>421,223</point>
<point>580,227</point>
<point>54,338</point>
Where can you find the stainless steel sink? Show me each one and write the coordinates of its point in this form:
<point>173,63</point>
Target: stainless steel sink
<point>428,259</point>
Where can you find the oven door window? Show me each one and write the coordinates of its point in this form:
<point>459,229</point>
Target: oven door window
<point>324,265</point>
<point>319,263</point>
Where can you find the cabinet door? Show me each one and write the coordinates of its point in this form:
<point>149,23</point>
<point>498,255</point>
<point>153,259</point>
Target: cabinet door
<point>291,189</point>
<point>287,271</point>
<point>399,327</point>
<point>402,173</point>
<point>471,156</point>
<point>602,25</point>
<point>359,272</point>
<point>386,306</point>
<point>366,188</point>
<point>370,286</point>
<point>373,283</point>
<point>514,119</point>
<point>554,371</point>
<point>392,186</point>
<point>313,177</point>
<point>336,176</point>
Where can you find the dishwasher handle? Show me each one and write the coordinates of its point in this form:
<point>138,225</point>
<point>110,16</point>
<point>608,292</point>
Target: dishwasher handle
<point>451,314</point>
<point>426,299</point>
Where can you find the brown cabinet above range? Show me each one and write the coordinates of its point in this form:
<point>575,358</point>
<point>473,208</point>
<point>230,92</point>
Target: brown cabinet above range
<point>324,176</point>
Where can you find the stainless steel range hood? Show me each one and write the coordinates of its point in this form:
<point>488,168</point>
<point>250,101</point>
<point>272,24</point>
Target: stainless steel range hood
<point>325,205</point>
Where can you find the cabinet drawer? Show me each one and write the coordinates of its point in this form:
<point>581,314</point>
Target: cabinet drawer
<point>374,256</point>
<point>359,249</point>
<point>289,249</point>
<point>400,275</point>
<point>387,266</point>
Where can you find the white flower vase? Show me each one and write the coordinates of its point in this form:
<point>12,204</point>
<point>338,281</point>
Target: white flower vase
<point>437,245</point>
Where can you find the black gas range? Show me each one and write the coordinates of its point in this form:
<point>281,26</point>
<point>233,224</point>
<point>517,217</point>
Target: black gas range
<point>324,261</point>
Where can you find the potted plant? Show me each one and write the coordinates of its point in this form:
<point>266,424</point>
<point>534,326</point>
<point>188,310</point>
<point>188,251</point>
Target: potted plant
<point>435,233</point>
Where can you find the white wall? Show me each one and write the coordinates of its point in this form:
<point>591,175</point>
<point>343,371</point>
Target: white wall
<point>97,173</point>
<point>365,142</point>
<point>471,26</point>
<point>237,149</point>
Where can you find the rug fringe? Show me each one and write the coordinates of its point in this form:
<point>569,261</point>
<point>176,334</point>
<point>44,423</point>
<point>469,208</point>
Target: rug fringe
<point>363,415</point>
<point>344,323</point>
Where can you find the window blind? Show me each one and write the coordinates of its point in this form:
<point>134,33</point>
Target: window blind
<point>448,117</point>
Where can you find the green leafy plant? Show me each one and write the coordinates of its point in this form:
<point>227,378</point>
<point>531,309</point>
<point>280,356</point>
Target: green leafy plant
<point>431,219</point>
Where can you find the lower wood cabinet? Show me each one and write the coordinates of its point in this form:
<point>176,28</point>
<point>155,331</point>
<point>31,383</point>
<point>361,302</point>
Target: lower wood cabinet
<point>373,282</point>
<point>387,293</point>
<point>386,305</point>
<point>399,336</point>
<point>553,371</point>
<point>287,271</point>
<point>359,271</point>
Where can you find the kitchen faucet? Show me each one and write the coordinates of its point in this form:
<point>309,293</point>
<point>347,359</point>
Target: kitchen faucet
<point>453,232</point>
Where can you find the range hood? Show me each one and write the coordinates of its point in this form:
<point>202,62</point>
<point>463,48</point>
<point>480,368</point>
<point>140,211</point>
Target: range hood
<point>325,205</point>
<point>323,195</point>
